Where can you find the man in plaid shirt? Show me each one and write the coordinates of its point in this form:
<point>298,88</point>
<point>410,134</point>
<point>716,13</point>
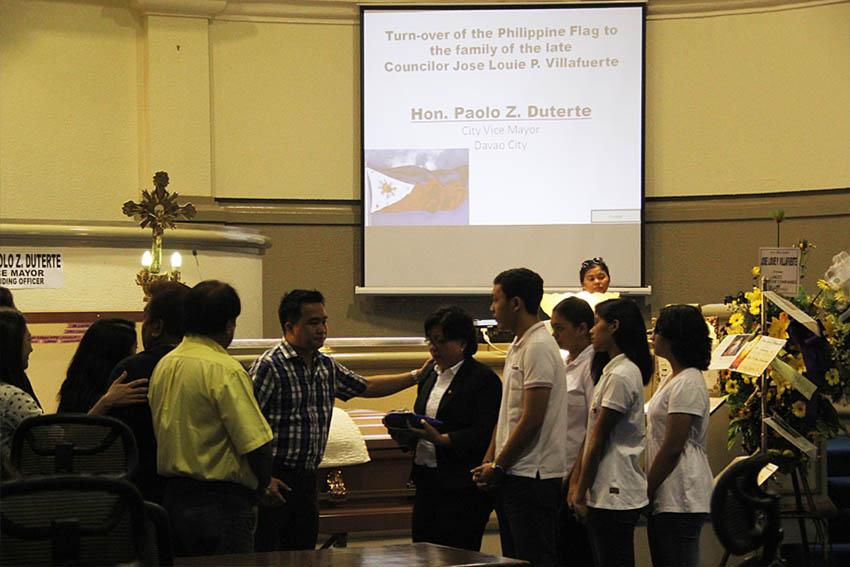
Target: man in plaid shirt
<point>296,386</point>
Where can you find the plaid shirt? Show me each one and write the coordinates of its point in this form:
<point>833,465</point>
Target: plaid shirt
<point>297,405</point>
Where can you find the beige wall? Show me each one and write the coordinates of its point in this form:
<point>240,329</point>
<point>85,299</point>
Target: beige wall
<point>748,103</point>
<point>96,96</point>
<point>260,100</point>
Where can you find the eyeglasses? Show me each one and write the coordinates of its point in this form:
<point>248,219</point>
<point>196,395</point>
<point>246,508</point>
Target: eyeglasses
<point>592,262</point>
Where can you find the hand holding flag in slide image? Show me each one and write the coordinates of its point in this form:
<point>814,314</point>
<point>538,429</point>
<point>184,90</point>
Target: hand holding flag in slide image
<point>412,187</point>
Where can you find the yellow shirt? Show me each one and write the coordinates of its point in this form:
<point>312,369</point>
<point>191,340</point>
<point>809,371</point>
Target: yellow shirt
<point>205,416</point>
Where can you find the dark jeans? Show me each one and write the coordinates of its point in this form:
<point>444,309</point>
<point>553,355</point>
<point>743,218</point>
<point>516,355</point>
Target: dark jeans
<point>295,524</point>
<point>528,516</point>
<point>612,536</point>
<point>209,517</point>
<point>573,543</point>
<point>455,518</point>
<point>674,539</point>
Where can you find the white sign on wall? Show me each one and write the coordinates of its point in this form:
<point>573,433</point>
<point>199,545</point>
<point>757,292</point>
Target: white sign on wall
<point>24,269</point>
<point>782,268</point>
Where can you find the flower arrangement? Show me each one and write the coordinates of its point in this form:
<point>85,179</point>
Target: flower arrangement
<point>824,360</point>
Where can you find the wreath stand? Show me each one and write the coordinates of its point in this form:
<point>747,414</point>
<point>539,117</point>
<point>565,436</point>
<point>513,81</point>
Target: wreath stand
<point>798,474</point>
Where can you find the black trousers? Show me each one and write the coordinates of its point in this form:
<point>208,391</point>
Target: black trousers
<point>573,543</point>
<point>295,524</point>
<point>209,517</point>
<point>455,518</point>
<point>528,518</point>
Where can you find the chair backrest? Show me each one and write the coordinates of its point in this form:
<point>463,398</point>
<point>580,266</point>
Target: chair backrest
<point>73,520</point>
<point>74,444</point>
<point>744,516</point>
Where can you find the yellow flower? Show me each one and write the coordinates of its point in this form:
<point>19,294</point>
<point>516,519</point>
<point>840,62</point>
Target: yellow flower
<point>778,328</point>
<point>732,387</point>
<point>824,285</point>
<point>828,324</point>
<point>798,408</point>
<point>736,320</point>
<point>754,295</point>
<point>779,381</point>
<point>796,362</point>
<point>756,271</point>
<point>832,377</point>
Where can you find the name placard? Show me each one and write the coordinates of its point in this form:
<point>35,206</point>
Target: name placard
<point>30,268</point>
<point>782,268</point>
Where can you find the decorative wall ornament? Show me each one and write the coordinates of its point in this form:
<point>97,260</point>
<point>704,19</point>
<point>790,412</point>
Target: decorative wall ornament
<point>157,210</point>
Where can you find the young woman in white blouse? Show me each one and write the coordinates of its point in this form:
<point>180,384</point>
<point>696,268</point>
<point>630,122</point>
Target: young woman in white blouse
<point>610,490</point>
<point>679,479</point>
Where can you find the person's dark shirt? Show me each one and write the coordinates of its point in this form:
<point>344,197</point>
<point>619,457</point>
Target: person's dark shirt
<point>138,418</point>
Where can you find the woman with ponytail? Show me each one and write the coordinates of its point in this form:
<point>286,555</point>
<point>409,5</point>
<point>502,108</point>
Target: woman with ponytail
<point>608,487</point>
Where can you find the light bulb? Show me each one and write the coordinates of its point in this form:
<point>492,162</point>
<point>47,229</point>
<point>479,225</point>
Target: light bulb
<point>147,259</point>
<point>176,260</point>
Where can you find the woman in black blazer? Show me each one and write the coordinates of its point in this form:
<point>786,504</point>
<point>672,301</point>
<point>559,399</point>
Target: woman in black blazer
<point>465,396</point>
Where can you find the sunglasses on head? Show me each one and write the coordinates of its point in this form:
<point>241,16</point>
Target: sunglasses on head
<point>592,262</point>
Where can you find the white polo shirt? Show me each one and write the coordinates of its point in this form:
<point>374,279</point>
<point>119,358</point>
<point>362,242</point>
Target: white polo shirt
<point>687,489</point>
<point>534,361</point>
<point>579,395</point>
<point>620,483</point>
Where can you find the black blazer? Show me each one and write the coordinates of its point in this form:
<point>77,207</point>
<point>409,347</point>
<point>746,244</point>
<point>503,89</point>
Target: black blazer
<point>469,410</point>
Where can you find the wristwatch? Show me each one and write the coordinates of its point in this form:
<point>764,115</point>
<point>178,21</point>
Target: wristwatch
<point>497,467</point>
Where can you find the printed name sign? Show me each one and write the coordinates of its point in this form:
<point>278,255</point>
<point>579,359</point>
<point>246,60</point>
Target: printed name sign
<point>781,267</point>
<point>30,268</point>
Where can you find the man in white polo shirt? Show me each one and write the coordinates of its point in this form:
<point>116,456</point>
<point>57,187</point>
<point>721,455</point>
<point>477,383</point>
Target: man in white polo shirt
<point>527,455</point>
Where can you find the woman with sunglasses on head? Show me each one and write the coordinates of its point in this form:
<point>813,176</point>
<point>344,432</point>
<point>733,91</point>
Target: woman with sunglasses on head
<point>594,276</point>
<point>609,487</point>
<point>679,482</point>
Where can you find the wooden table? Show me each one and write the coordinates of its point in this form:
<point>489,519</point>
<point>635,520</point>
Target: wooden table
<point>408,555</point>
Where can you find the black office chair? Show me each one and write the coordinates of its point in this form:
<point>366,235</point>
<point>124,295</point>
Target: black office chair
<point>73,520</point>
<point>74,444</point>
<point>746,518</point>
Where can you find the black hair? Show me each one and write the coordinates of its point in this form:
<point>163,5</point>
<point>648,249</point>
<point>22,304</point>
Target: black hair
<point>13,327</point>
<point>166,305</point>
<point>630,335</point>
<point>457,325</point>
<point>592,263</point>
<point>6,299</point>
<point>524,284</point>
<point>209,306</point>
<point>685,328</point>
<point>105,343</point>
<point>289,310</point>
<point>576,311</point>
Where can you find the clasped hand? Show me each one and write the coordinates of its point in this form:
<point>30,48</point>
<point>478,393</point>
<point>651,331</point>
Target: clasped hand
<point>485,476</point>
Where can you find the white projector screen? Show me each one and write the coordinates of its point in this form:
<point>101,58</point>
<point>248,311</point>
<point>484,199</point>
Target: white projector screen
<point>501,136</point>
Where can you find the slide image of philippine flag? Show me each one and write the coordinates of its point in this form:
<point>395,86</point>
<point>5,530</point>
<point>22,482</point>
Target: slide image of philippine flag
<point>417,187</point>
